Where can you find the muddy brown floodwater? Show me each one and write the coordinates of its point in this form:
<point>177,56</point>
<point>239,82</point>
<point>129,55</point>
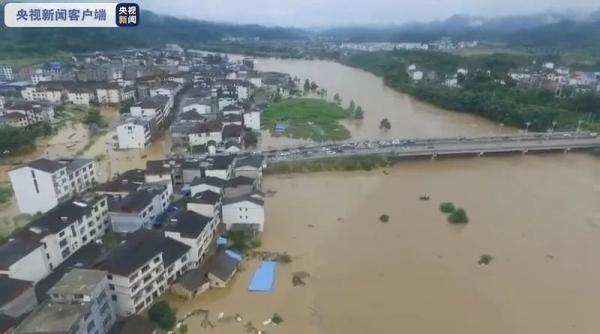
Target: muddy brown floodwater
<point>538,216</point>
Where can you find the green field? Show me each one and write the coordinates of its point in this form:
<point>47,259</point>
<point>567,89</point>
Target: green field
<point>308,119</point>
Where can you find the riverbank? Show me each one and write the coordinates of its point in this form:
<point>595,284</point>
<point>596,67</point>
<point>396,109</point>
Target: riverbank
<point>395,276</point>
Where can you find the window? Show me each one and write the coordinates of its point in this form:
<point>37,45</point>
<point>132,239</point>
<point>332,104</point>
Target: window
<point>114,298</point>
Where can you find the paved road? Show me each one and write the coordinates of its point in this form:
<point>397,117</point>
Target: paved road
<point>560,141</point>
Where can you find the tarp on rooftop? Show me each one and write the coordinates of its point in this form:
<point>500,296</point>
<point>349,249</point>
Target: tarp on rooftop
<point>264,277</point>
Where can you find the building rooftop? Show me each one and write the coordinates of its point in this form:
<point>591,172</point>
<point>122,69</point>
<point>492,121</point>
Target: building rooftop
<point>53,318</point>
<point>140,247</point>
<point>46,165</point>
<point>233,131</point>
<point>252,198</point>
<point>75,164</point>
<point>251,160</point>
<point>127,182</point>
<point>239,181</point>
<point>78,281</point>
<point>222,265</point>
<point>158,167</point>
<point>134,325</point>
<point>206,197</point>
<point>16,249</point>
<point>209,180</point>
<point>62,215</point>
<point>188,223</point>
<point>135,201</point>
<point>11,288</point>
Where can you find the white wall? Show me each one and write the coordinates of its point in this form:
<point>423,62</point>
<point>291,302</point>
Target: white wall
<point>204,187</point>
<point>252,120</point>
<point>200,108</point>
<point>244,212</point>
<point>203,138</point>
<point>206,210</point>
<point>132,136</point>
<point>31,268</point>
<point>29,199</point>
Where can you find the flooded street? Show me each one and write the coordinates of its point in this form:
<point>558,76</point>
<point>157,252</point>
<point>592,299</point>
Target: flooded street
<point>538,216</point>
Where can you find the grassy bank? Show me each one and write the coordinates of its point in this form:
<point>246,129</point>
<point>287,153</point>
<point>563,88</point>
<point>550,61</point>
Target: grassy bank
<point>308,119</point>
<point>366,163</point>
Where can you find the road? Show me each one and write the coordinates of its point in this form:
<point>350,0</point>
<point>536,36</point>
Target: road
<point>433,147</point>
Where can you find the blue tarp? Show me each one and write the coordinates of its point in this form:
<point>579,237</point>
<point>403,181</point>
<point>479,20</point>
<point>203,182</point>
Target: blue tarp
<point>221,241</point>
<point>264,277</point>
<point>234,255</point>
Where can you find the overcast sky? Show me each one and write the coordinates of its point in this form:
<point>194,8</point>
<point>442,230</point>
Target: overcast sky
<point>313,13</point>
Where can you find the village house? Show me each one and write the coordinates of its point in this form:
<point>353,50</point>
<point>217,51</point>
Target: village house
<point>34,93</point>
<point>122,185</point>
<point>156,107</point>
<point>207,183</point>
<point>140,209</point>
<point>28,113</point>
<point>79,303</point>
<point>42,184</point>
<point>206,203</point>
<point>233,132</point>
<point>246,213</point>
<point>52,238</point>
<point>142,268</point>
<point>199,105</point>
<point>194,230</point>
<point>134,132</point>
<point>202,133</point>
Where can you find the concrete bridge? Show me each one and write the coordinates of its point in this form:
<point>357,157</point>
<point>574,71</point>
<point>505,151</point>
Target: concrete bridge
<point>434,147</point>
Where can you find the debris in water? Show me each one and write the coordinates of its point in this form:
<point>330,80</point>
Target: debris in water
<point>384,218</point>
<point>385,172</point>
<point>485,259</point>
<point>299,277</point>
<point>311,225</point>
<point>276,319</point>
<point>424,198</point>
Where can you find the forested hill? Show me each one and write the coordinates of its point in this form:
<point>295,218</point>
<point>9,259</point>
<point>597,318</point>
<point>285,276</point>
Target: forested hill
<point>152,31</point>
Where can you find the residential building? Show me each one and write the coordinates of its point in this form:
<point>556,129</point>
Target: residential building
<point>28,113</point>
<point>52,238</point>
<point>6,73</point>
<point>156,107</point>
<point>142,268</point>
<point>239,186</point>
<point>232,109</point>
<point>244,213</point>
<point>233,132</point>
<point>122,185</point>
<point>134,133</point>
<point>109,93</point>
<point>194,230</point>
<point>206,203</point>
<point>37,93</point>
<point>17,297</point>
<point>252,120</point>
<point>202,133</point>
<point>79,303</point>
<point>207,183</point>
<point>42,184</point>
<point>140,209</point>
<point>199,105</point>
<point>222,268</point>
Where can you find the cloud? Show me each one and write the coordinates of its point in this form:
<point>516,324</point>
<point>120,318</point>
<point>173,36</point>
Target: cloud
<point>306,13</point>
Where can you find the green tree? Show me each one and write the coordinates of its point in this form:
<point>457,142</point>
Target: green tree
<point>313,86</point>
<point>250,139</point>
<point>358,113</point>
<point>163,315</point>
<point>352,106</point>
<point>337,99</point>
<point>306,86</point>
<point>459,216</point>
<point>447,207</point>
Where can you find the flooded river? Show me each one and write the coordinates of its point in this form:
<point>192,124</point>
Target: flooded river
<point>538,216</point>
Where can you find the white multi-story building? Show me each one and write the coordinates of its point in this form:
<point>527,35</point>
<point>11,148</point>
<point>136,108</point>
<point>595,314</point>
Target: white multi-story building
<point>206,203</point>
<point>6,73</point>
<point>156,107</point>
<point>139,209</point>
<point>52,238</point>
<point>79,304</point>
<point>134,133</point>
<point>202,133</point>
<point>35,93</point>
<point>29,113</point>
<point>109,93</point>
<point>194,230</point>
<point>42,184</point>
<point>142,268</point>
<point>244,213</point>
<point>79,97</point>
<point>252,120</point>
<point>200,105</point>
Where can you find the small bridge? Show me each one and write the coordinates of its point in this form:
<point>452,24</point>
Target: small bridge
<point>434,147</point>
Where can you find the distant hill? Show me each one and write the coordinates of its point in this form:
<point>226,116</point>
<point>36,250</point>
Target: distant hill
<point>552,31</point>
<point>152,31</point>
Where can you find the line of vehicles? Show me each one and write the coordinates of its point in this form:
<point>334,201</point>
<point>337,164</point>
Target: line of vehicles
<point>348,147</point>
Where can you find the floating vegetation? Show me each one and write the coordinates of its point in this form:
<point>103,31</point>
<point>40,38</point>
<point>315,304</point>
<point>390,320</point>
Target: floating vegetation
<point>384,218</point>
<point>299,277</point>
<point>485,259</point>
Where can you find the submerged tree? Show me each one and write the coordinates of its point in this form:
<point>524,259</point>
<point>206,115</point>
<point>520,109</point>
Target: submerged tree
<point>337,99</point>
<point>358,113</point>
<point>352,106</point>
<point>385,124</point>
<point>306,86</point>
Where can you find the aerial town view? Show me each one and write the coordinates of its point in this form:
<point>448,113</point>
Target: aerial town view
<point>273,167</point>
